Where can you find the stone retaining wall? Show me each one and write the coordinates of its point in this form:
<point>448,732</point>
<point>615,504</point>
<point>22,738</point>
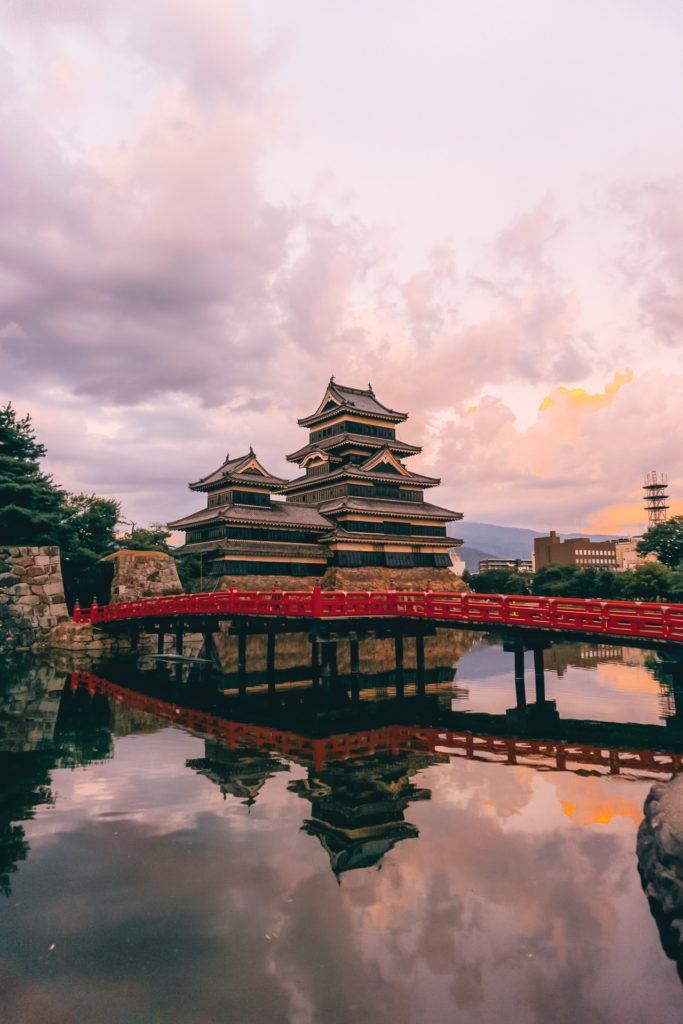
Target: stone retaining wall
<point>143,574</point>
<point>32,598</point>
<point>267,582</point>
<point>371,578</point>
<point>352,578</point>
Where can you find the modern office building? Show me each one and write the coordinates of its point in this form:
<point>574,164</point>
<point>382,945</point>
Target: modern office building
<point>581,551</point>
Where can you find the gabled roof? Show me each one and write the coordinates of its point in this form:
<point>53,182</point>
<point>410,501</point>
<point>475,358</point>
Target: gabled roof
<point>361,440</point>
<point>316,450</point>
<point>339,397</point>
<point>245,469</point>
<point>376,461</point>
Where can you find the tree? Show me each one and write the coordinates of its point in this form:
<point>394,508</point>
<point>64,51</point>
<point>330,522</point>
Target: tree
<point>191,572</point>
<point>498,581</point>
<point>665,540</point>
<point>153,538</point>
<point>555,581</point>
<point>92,521</point>
<point>32,507</point>
<point>650,582</point>
<point>675,591</point>
<point>91,524</point>
<point>575,581</point>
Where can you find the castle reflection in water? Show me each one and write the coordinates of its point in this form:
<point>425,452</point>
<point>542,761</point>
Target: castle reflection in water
<point>364,731</point>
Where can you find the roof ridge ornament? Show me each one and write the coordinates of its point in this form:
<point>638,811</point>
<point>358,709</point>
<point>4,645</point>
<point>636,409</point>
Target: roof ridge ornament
<point>227,457</point>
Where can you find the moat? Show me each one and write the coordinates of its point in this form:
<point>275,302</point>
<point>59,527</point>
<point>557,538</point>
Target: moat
<point>178,847</point>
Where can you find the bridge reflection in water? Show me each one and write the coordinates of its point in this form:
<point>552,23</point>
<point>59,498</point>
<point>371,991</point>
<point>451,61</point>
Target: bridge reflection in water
<point>363,729</point>
<point>363,725</point>
<point>521,814</point>
<point>351,724</point>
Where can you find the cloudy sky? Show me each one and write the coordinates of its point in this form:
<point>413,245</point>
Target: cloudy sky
<point>209,206</point>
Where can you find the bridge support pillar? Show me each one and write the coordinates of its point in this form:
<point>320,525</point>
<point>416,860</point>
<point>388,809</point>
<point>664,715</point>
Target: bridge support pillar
<point>420,663</point>
<point>400,677</point>
<point>242,661</point>
<point>161,639</point>
<point>134,637</point>
<point>179,635</point>
<point>520,689</point>
<point>208,644</point>
<point>270,659</point>
<point>315,661</point>
<point>539,675</point>
<point>329,663</point>
<point>354,665</point>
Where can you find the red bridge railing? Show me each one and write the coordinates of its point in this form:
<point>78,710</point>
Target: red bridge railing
<point>638,619</point>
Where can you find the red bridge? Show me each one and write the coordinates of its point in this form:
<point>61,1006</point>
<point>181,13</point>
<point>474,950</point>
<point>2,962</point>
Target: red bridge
<point>635,619</point>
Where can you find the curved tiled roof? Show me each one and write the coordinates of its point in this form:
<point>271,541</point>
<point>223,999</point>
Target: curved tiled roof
<point>356,473</point>
<point>362,440</point>
<point>355,400</point>
<point>281,513</point>
<point>386,506</point>
<point>231,470</point>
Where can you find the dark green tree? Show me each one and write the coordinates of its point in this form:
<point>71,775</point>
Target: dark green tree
<point>32,507</point>
<point>675,592</point>
<point>498,581</point>
<point>650,582</point>
<point>665,540</point>
<point>556,581</point>
<point>152,538</point>
<point>91,521</point>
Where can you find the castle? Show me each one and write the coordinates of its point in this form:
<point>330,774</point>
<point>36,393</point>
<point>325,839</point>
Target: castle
<point>356,517</point>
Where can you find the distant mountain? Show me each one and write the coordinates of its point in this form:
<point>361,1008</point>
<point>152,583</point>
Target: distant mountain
<point>489,541</point>
<point>486,540</point>
<point>472,556</point>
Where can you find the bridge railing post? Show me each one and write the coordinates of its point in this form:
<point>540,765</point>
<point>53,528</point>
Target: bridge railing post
<point>428,607</point>
<point>316,603</point>
<point>76,614</point>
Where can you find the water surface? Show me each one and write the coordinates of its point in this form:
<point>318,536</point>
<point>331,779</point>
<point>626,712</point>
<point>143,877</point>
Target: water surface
<point>153,874</point>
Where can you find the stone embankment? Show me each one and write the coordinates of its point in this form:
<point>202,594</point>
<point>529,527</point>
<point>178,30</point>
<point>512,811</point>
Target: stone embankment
<point>143,574</point>
<point>33,611</point>
<point>32,598</point>
<point>660,862</point>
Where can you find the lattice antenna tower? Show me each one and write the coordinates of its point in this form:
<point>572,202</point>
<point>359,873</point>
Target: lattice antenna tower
<point>656,497</point>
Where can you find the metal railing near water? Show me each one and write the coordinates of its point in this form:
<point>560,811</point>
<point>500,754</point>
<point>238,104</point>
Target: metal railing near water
<point>638,619</point>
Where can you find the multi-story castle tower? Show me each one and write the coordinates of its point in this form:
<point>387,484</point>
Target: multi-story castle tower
<point>357,514</point>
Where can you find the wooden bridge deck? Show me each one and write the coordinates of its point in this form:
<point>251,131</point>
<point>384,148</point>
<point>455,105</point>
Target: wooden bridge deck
<point>639,620</point>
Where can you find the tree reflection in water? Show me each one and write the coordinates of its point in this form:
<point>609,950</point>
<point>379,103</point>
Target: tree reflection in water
<point>358,767</point>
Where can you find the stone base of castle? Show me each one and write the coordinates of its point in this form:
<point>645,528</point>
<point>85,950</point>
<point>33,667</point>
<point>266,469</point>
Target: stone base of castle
<point>268,582</point>
<point>371,578</point>
<point>356,578</point>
